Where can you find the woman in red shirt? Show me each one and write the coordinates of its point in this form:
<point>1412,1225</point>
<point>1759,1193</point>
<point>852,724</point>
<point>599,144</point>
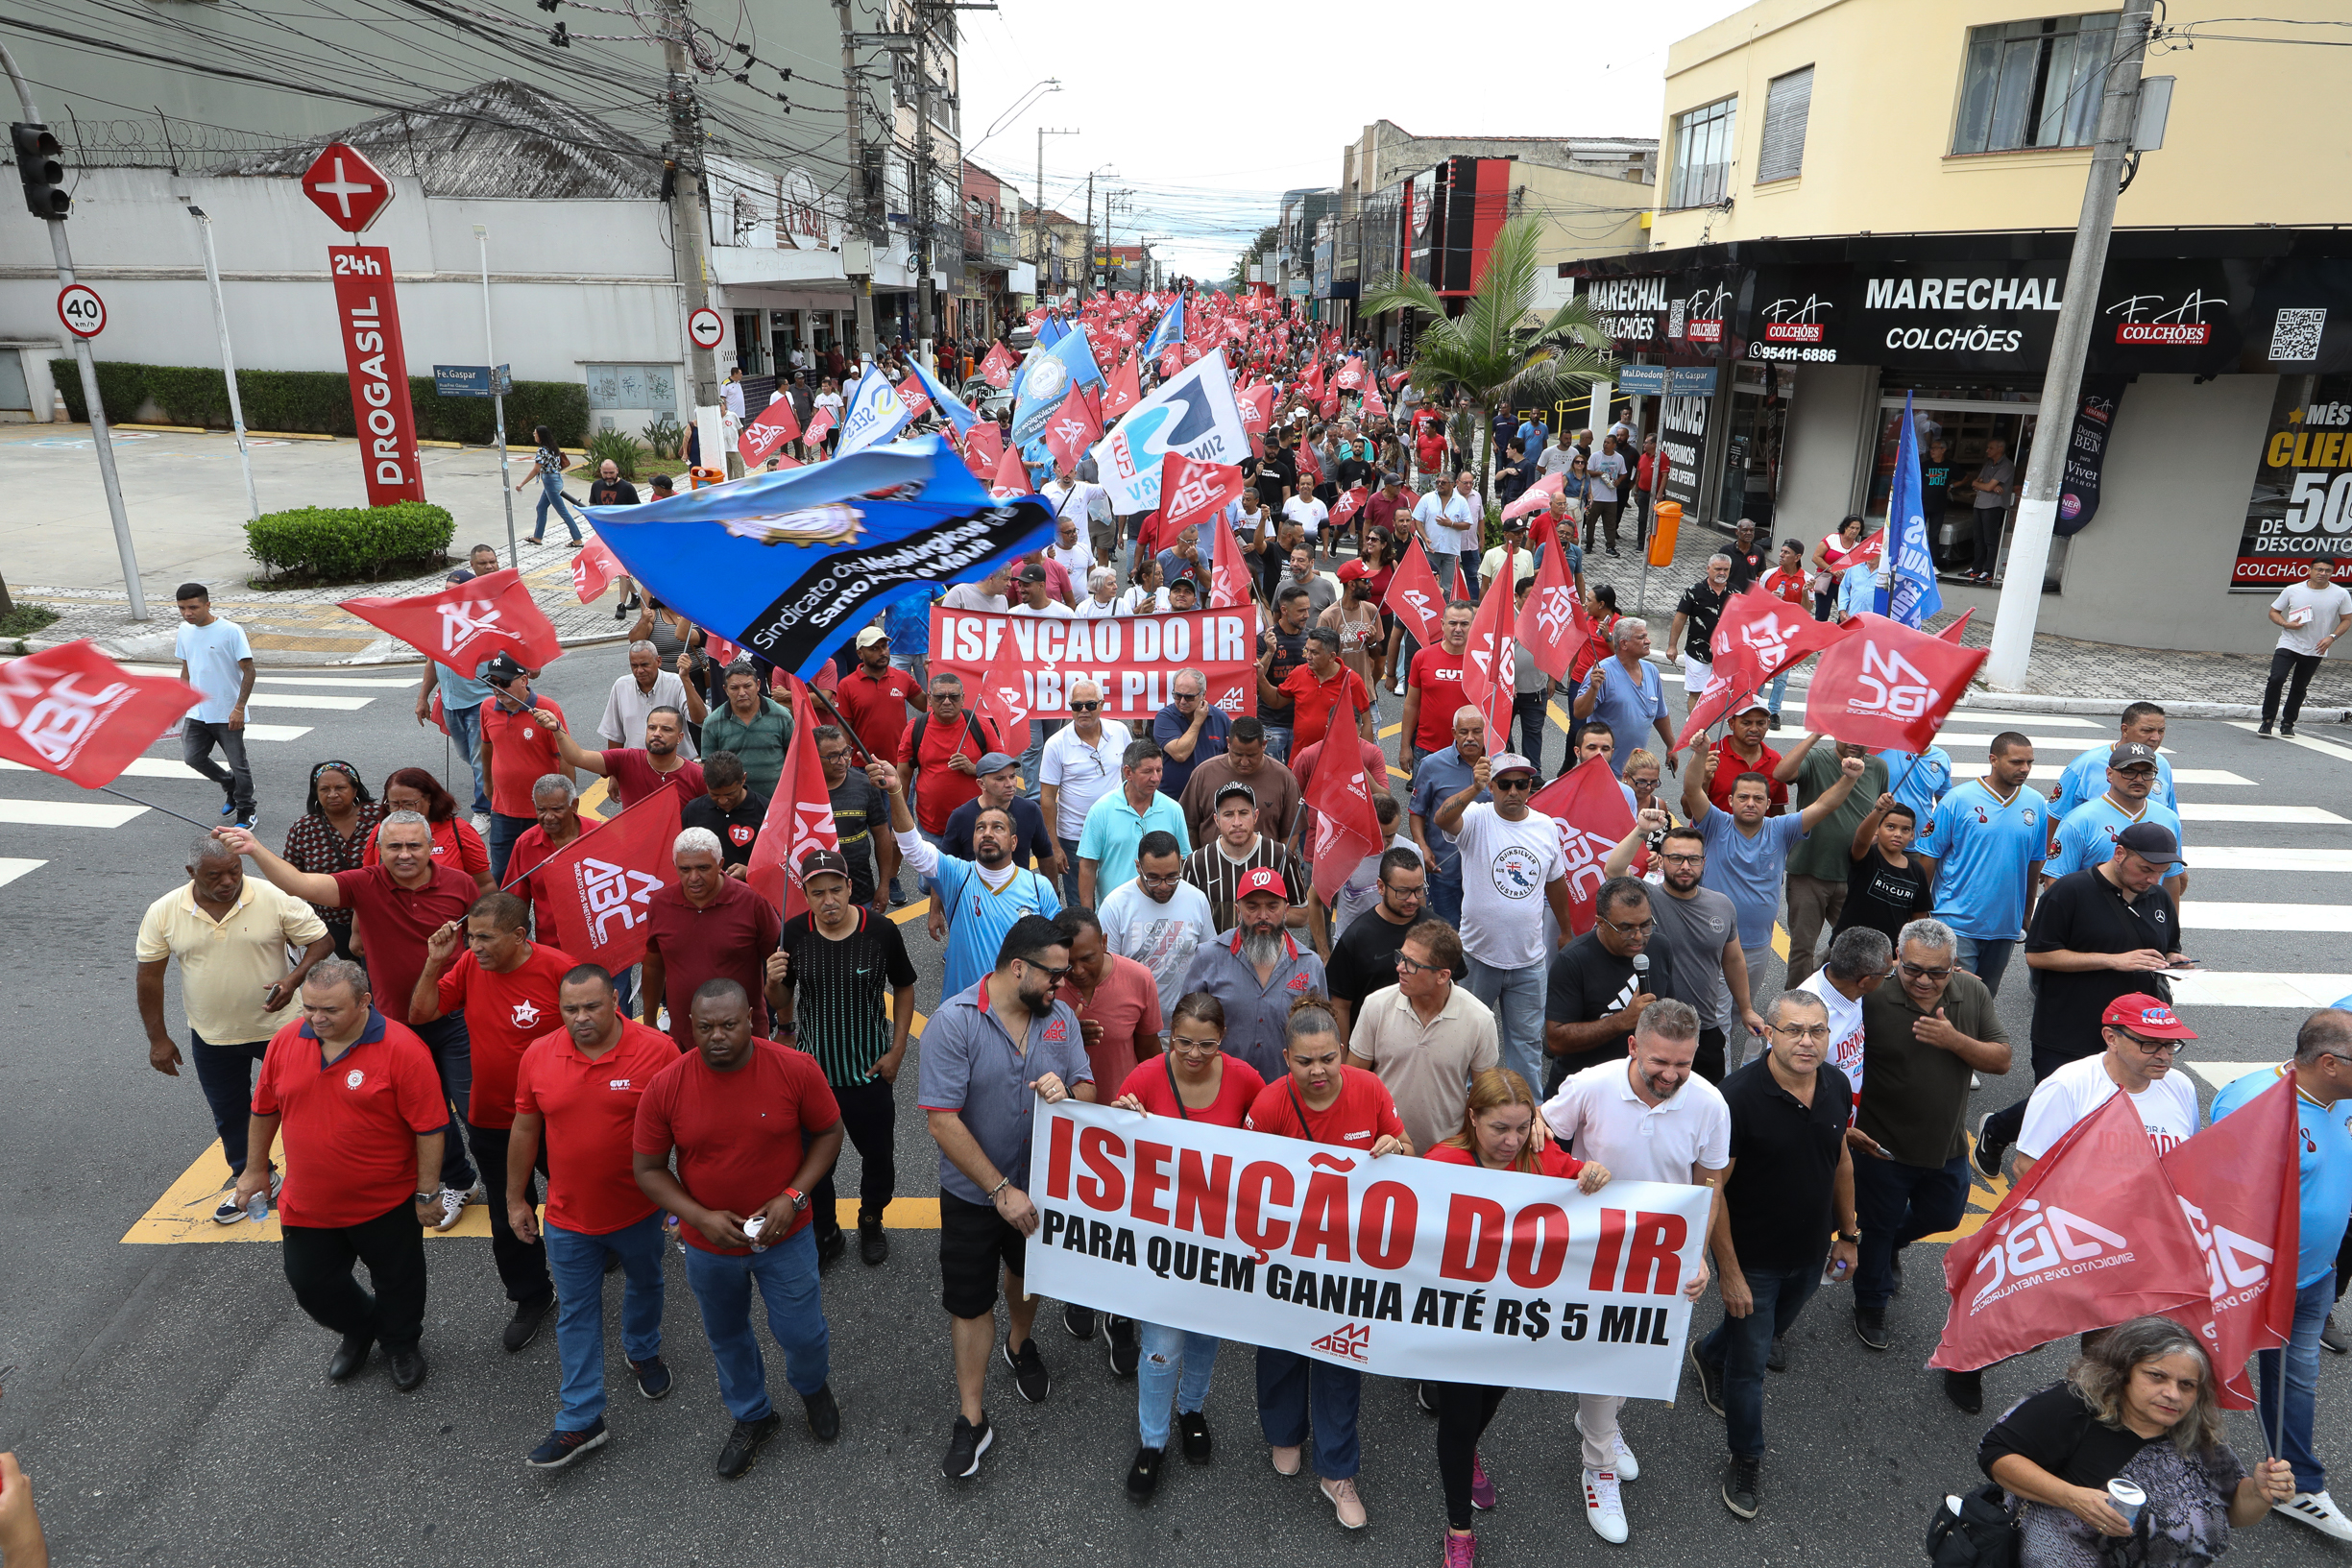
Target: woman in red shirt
<point>1322,1100</point>
<point>1377,560</point>
<point>1786,580</point>
<point>455,843</point>
<point>1497,1134</point>
<point>1196,1081</point>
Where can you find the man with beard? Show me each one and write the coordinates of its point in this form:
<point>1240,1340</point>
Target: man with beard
<point>2087,835</point>
<point>1218,867</point>
<point>1000,790</point>
<point>1246,762</point>
<point>1159,919</point>
<point>635,772</point>
<point>983,897</point>
<point>1255,971</point>
<point>1603,981</point>
<point>1698,932</point>
<point>991,1044</point>
<point>1747,853</point>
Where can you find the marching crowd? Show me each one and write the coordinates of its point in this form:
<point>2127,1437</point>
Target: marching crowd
<point>1127,916</point>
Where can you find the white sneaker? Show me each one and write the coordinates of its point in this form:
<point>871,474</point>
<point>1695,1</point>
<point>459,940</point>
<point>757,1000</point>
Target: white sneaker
<point>2318,1511</point>
<point>1604,1509</point>
<point>1628,1467</point>
<point>1974,1082</point>
<point>452,1207</point>
<point>481,822</point>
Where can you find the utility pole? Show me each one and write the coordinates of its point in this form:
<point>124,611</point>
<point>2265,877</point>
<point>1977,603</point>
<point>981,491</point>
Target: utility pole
<point>229,363</point>
<point>1038,245</point>
<point>858,231</point>
<point>684,160</point>
<point>2037,508</point>
<point>497,396</point>
<point>1085,278</point>
<point>925,214</point>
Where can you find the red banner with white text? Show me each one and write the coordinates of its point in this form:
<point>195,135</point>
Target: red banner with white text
<point>1130,658</point>
<point>368,319</point>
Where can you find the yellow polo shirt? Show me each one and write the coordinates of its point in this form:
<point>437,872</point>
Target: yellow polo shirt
<point>226,966</point>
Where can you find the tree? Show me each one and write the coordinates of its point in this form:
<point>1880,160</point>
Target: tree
<point>1260,247</point>
<point>1491,350</point>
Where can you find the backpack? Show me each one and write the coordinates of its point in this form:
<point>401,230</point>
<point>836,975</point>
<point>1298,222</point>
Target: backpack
<point>971,724</point>
<point>1982,1535</point>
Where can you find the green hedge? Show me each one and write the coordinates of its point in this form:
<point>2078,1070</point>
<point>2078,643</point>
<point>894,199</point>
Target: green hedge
<point>349,543</point>
<point>318,402</point>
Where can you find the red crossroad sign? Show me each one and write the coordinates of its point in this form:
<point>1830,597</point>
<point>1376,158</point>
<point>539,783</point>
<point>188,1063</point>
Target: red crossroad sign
<point>346,187</point>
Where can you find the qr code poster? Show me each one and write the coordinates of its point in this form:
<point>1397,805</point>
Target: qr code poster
<point>2296,337</point>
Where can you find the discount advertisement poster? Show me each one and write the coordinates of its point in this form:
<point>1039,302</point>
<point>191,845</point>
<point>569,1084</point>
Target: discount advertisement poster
<point>2301,504</point>
<point>1399,1266</point>
<point>1130,658</point>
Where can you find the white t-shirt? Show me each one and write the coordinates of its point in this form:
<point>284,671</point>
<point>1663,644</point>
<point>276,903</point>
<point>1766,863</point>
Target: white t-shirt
<point>1137,601</point>
<point>1598,1111</point>
<point>1090,608</point>
<point>1307,512</point>
<point>1083,774</point>
<point>2168,1107</point>
<point>2324,608</point>
<point>1050,607</point>
<point>1159,936</point>
<point>1362,888</point>
<point>213,654</point>
<point>968,596</point>
<point>1845,1027</point>
<point>1604,470</point>
<point>1078,560</point>
<point>1505,866</point>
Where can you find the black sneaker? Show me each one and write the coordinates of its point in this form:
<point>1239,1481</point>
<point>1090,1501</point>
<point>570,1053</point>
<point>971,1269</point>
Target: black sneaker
<point>1711,1381</point>
<point>965,1444</point>
<point>2331,1336</point>
<point>824,1415</point>
<point>1124,1351</point>
<point>1776,1359</point>
<point>1143,1476</point>
<point>1195,1425</point>
<point>1078,1321</point>
<point>2264,730</point>
<point>830,1248</point>
<point>563,1447</point>
<point>1966,1389</point>
<point>1029,1375</point>
<point>1984,1154</point>
<point>1742,1485</point>
<point>873,1243</point>
<point>1425,1398</point>
<point>524,1327</point>
<point>2286,731</point>
<point>1870,1326</point>
<point>652,1377</point>
<point>743,1450</point>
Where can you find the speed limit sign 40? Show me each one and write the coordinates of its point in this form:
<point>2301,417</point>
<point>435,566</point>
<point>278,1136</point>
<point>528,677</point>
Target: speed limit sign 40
<point>703,327</point>
<point>83,312</point>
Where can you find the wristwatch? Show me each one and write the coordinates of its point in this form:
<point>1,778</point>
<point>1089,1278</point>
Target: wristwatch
<point>800,1199</point>
<point>1849,1235</point>
<point>427,1197</point>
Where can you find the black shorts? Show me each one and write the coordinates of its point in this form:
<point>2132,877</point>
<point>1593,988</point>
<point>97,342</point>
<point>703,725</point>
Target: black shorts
<point>974,1239</point>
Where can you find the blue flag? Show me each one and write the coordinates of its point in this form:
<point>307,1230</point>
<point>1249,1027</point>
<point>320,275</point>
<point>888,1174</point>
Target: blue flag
<point>1911,594</point>
<point>791,564</point>
<point>873,414</point>
<point>945,401</point>
<point>1051,374</point>
<point>1169,332</point>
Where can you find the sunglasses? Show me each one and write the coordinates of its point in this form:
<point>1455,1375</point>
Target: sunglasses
<point>1084,707</point>
<point>1918,973</point>
<point>1512,783</point>
<point>1052,976</point>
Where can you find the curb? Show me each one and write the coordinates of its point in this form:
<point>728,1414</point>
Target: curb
<point>291,659</point>
<point>2022,702</point>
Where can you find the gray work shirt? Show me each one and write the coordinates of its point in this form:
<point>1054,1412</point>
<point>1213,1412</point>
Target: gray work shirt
<point>973,1067</point>
<point>1256,1016</point>
<point>1693,930</point>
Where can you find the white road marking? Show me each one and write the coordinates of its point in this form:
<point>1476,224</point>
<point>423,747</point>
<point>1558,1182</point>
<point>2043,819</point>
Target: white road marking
<point>139,767</point>
<point>2221,1074</point>
<point>2220,915</point>
<point>2257,858</point>
<point>306,699</point>
<point>337,681</point>
<point>67,813</point>
<point>276,732</point>
<point>2209,811</point>
<point>2251,988</point>
<point>2070,744</point>
<point>12,869</point>
<point>2340,753</point>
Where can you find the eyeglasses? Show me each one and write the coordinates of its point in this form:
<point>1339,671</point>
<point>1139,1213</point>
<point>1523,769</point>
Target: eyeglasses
<point>2152,1047</point>
<point>1803,1031</point>
<point>1194,1048</point>
<point>1632,927</point>
<point>1187,696</point>
<point>828,758</point>
<point>1684,859</point>
<point>1413,966</point>
<point>1396,892</point>
<point>1084,707</point>
<point>1916,973</point>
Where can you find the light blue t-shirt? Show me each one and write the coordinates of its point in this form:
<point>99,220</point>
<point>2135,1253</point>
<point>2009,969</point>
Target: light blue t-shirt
<point>2087,835</point>
<point>2085,779</point>
<point>977,916</point>
<point>1114,828</point>
<point>1919,783</point>
<point>1749,871</point>
<point>1984,852</point>
<point>1632,715</point>
<point>1857,592</point>
<point>2326,1172</point>
<point>460,692</point>
<point>213,654</point>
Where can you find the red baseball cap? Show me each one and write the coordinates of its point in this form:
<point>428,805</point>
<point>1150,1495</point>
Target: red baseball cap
<point>1264,879</point>
<point>2143,1014</point>
<point>1353,570</point>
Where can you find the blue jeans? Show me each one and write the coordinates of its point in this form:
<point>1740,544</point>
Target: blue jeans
<point>1445,900</point>
<point>2311,1309</point>
<point>1780,690</point>
<point>1278,743</point>
<point>1515,999</point>
<point>577,1260</point>
<point>1165,1352</point>
<point>1897,1204</point>
<point>1069,853</point>
<point>1040,731</point>
<point>1736,1350</point>
<point>785,1275</point>
<point>1985,957</point>
<point>551,494</point>
<point>453,1051</point>
<point>503,831</point>
<point>465,730</point>
<point>1290,1387</point>
<point>225,1076</point>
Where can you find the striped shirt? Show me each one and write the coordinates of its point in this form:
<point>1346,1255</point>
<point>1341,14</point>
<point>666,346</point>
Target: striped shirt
<point>840,992</point>
<point>1216,873</point>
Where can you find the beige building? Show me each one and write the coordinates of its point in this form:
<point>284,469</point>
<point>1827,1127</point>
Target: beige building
<point>1859,200</point>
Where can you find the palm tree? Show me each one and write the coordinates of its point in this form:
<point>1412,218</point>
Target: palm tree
<point>1491,350</point>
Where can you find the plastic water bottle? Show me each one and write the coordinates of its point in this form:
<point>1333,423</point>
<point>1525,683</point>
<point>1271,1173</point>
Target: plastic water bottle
<point>258,1208</point>
<point>752,1228</point>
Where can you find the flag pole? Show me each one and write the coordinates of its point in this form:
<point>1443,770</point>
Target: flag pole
<point>109,789</point>
<point>602,823</point>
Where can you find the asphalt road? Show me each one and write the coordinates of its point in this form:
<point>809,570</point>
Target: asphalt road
<point>171,1405</point>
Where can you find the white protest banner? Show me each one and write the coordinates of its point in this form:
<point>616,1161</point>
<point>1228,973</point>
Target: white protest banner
<point>1130,658</point>
<point>1399,1266</point>
<point>1193,411</point>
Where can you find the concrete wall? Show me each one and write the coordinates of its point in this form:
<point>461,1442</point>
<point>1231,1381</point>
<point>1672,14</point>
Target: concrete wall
<point>1828,418</point>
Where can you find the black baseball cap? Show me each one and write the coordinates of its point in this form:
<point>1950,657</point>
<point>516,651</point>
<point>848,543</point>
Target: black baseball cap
<point>2150,841</point>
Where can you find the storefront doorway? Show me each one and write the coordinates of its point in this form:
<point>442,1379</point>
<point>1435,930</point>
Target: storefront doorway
<point>1970,542</point>
<point>1751,449</point>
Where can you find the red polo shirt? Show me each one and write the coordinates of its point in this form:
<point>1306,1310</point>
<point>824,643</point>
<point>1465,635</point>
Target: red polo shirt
<point>876,707</point>
<point>522,863</point>
<point>739,1135</point>
<point>590,1111</point>
<point>727,939</point>
<point>504,1013</point>
<point>350,1127</point>
<point>395,922</point>
<point>521,753</point>
<point>1357,1120</point>
<point>1438,674</point>
<point>633,777</point>
<point>1730,765</point>
<point>1312,701</point>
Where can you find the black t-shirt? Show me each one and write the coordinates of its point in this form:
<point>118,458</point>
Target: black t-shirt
<point>1030,837</point>
<point>1587,982</point>
<point>1363,959</point>
<point>2056,1431</point>
<point>1701,607</point>
<point>1277,473</point>
<point>1886,896</point>
<point>1934,488</point>
<point>2084,912</point>
<point>1748,565</point>
<point>1290,652</point>
<point>859,812</point>
<point>1784,1156</point>
<point>841,991</point>
<point>738,829</point>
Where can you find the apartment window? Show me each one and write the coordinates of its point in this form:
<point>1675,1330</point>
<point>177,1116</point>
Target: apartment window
<point>1787,100</point>
<point>2034,83</point>
<point>1702,155</point>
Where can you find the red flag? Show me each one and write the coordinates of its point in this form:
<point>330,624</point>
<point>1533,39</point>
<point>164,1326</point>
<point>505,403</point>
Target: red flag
<point>1415,599</point>
<point>984,448</point>
<point>602,884</point>
<point>1348,504</point>
<point>820,427</point>
<point>1311,382</point>
<point>1952,633</point>
<point>2091,1236</point>
<point>799,818</point>
<point>1196,495</point>
<point>1229,580</point>
<point>763,436</point>
<point>1489,666</point>
<point>1887,687</point>
<point>1329,407</point>
<point>1004,702</point>
<point>910,393</point>
<point>2250,1228</point>
<point>593,570</point>
<point>996,366</point>
<point>1346,829</point>
<point>1735,679</point>
<point>1171,363</point>
<point>1125,389</point>
<point>468,622</point>
<point>1758,636</point>
<point>1552,622</point>
<point>1072,431</point>
<point>1308,466</point>
<point>1373,407</point>
<point>1012,475</point>
<point>73,711</point>
<point>1589,803</point>
<point>1351,374</point>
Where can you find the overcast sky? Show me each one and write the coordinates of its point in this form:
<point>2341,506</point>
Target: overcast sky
<point>1208,132</point>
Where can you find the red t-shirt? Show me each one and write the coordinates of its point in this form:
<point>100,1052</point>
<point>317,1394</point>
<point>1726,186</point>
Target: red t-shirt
<point>504,1013</point>
<point>590,1109</point>
<point>1429,450</point>
<point>395,922</point>
<point>939,787</point>
<point>1236,1092</point>
<point>1438,674</point>
<point>523,859</point>
<point>351,1126</point>
<point>1785,585</point>
<point>1312,701</point>
<point>728,939</point>
<point>455,843</point>
<point>1730,765</point>
<point>877,708</point>
<point>1381,512</point>
<point>737,1134</point>
<point>633,777</point>
<point>521,753</point>
<point>1552,1160</point>
<point>1362,1115</point>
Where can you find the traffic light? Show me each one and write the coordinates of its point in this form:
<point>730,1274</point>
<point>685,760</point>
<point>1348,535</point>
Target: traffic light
<point>41,163</point>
